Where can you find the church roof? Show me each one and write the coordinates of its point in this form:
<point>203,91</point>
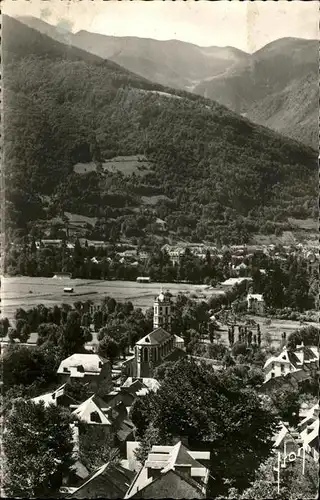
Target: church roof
<point>156,337</point>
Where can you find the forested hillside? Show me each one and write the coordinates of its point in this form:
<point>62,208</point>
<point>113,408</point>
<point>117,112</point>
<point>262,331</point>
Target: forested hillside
<point>276,86</point>
<point>220,176</point>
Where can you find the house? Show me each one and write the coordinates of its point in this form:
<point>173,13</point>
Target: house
<point>230,283</point>
<point>287,440</point>
<point>59,397</point>
<point>113,417</point>
<point>309,432</point>
<point>161,224</point>
<point>109,481</point>
<point>59,275</point>
<point>240,269</point>
<point>159,345</point>
<point>302,358</point>
<point>89,368</point>
<point>93,411</point>
<point>171,472</point>
<point>256,303</point>
<point>179,342</point>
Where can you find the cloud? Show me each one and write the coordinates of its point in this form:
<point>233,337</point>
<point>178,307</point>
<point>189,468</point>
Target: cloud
<point>45,13</point>
<point>64,25</point>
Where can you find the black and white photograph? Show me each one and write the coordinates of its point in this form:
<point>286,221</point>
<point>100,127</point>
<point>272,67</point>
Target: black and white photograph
<point>159,282</point>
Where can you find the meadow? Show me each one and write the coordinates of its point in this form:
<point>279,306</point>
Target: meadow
<point>27,292</point>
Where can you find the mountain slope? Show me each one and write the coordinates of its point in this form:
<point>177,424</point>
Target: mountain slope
<point>212,174</point>
<point>277,87</point>
<point>171,63</point>
<point>278,76</point>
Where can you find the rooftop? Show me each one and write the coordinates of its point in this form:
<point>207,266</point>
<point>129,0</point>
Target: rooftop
<point>156,337</point>
<point>89,363</point>
<point>171,458</point>
<point>94,411</point>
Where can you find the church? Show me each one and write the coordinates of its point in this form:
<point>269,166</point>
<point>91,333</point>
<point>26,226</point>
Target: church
<point>158,346</point>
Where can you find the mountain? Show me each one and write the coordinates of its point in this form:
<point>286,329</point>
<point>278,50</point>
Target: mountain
<point>171,63</point>
<point>277,86</point>
<point>88,137</point>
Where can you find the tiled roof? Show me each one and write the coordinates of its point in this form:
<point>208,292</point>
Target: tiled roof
<point>156,337</point>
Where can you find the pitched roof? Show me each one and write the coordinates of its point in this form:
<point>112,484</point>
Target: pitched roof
<point>125,430</point>
<point>90,363</point>
<point>285,356</point>
<point>178,339</point>
<point>113,474</point>
<point>151,383</point>
<point>52,397</point>
<point>156,337</point>
<point>93,405</point>
<point>166,459</point>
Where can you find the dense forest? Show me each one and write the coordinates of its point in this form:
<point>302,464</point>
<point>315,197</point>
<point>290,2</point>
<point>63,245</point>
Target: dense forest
<point>221,177</point>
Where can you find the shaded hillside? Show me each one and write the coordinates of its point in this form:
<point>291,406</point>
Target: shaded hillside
<point>214,175</point>
<point>277,87</point>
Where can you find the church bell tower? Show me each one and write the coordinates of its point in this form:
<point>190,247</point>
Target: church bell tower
<point>162,311</point>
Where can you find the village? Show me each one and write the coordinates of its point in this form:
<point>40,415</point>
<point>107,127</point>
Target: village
<point>159,251</point>
<point>115,383</point>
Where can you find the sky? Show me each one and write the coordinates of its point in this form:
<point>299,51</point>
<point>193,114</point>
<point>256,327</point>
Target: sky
<point>245,25</point>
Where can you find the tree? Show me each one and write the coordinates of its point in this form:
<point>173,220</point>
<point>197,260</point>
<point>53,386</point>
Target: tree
<point>49,333</point>
<point>73,338</point>
<point>151,437</point>
<point>162,371</point>
<point>293,486</point>
<point>24,366</point>
<point>78,391</point>
<point>309,335</point>
<point>95,446</point>
<point>141,414</point>
<point>216,412</point>
<point>239,348</point>
<point>4,326</point>
<point>109,348</point>
<point>287,403</point>
<point>38,449</point>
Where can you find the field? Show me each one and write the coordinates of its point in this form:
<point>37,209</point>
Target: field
<point>27,292</point>
<point>307,224</point>
<point>153,200</point>
<point>80,219</point>
<point>127,165</point>
<point>270,333</point>
<point>84,168</point>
